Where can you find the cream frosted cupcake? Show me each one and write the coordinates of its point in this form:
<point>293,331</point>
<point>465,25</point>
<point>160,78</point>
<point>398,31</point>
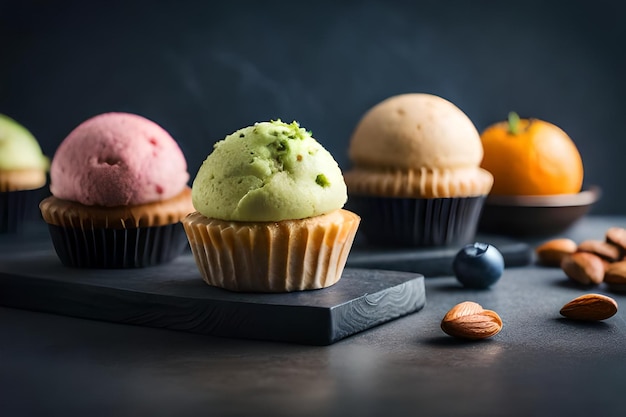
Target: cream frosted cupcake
<point>23,169</point>
<point>269,213</point>
<point>416,178</point>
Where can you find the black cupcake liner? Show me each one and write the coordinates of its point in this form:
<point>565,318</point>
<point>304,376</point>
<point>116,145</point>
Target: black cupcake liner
<point>118,248</point>
<point>18,207</point>
<point>417,222</point>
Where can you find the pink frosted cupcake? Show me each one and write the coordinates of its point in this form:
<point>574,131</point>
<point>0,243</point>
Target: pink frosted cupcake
<point>119,190</point>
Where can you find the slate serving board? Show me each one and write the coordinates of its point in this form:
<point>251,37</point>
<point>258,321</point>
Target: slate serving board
<point>174,296</point>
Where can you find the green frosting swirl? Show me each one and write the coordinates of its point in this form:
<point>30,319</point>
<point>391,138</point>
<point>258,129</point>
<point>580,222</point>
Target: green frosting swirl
<point>270,171</point>
<point>18,147</point>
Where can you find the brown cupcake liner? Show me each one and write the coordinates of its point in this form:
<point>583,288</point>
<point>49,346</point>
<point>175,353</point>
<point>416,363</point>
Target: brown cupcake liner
<point>417,222</point>
<point>285,256</point>
<point>117,248</point>
<point>17,208</point>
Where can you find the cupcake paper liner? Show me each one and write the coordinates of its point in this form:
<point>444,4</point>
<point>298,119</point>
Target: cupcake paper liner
<point>118,248</point>
<point>292,255</point>
<point>417,222</point>
<point>16,208</point>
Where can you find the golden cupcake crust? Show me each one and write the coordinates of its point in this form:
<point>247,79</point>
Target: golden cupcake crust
<point>420,183</point>
<point>416,145</point>
<point>22,179</point>
<point>66,213</point>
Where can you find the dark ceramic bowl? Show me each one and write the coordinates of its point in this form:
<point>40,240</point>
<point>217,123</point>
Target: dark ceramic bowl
<point>535,215</point>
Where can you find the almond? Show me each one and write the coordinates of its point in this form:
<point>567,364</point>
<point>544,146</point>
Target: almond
<point>591,307</point>
<point>617,236</point>
<point>584,267</point>
<point>551,253</point>
<point>605,250</point>
<point>615,276</point>
<point>468,320</point>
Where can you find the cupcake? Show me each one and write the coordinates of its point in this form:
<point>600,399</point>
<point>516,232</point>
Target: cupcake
<point>416,179</point>
<point>23,170</point>
<point>119,190</point>
<point>270,217</point>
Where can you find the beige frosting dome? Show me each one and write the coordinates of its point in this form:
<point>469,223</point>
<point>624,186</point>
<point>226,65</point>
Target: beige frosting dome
<point>414,131</point>
<point>417,145</point>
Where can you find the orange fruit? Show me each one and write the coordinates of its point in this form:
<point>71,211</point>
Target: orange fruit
<point>531,157</point>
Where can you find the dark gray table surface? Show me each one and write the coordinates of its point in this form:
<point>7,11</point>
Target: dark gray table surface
<point>539,364</point>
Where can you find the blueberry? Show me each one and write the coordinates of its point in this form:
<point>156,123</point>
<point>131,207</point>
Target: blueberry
<point>478,265</point>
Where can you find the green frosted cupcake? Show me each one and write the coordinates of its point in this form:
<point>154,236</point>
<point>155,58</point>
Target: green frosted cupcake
<point>269,214</point>
<point>23,169</point>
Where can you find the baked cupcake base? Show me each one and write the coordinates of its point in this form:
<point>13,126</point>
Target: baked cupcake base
<point>117,237</point>
<point>284,256</point>
<point>417,222</point>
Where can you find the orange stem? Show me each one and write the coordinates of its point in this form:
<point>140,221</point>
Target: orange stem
<point>513,123</point>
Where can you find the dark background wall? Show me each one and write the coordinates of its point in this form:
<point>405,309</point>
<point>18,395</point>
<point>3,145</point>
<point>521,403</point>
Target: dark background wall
<point>203,70</point>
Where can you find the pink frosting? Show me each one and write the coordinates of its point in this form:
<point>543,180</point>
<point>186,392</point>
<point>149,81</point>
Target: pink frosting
<point>116,159</point>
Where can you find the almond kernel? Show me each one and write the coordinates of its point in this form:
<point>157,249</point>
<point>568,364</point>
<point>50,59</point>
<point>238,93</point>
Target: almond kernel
<point>592,307</point>
<point>551,253</point>
<point>615,273</point>
<point>605,250</point>
<point>617,236</point>
<point>468,320</point>
<point>584,267</point>
<point>615,276</point>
